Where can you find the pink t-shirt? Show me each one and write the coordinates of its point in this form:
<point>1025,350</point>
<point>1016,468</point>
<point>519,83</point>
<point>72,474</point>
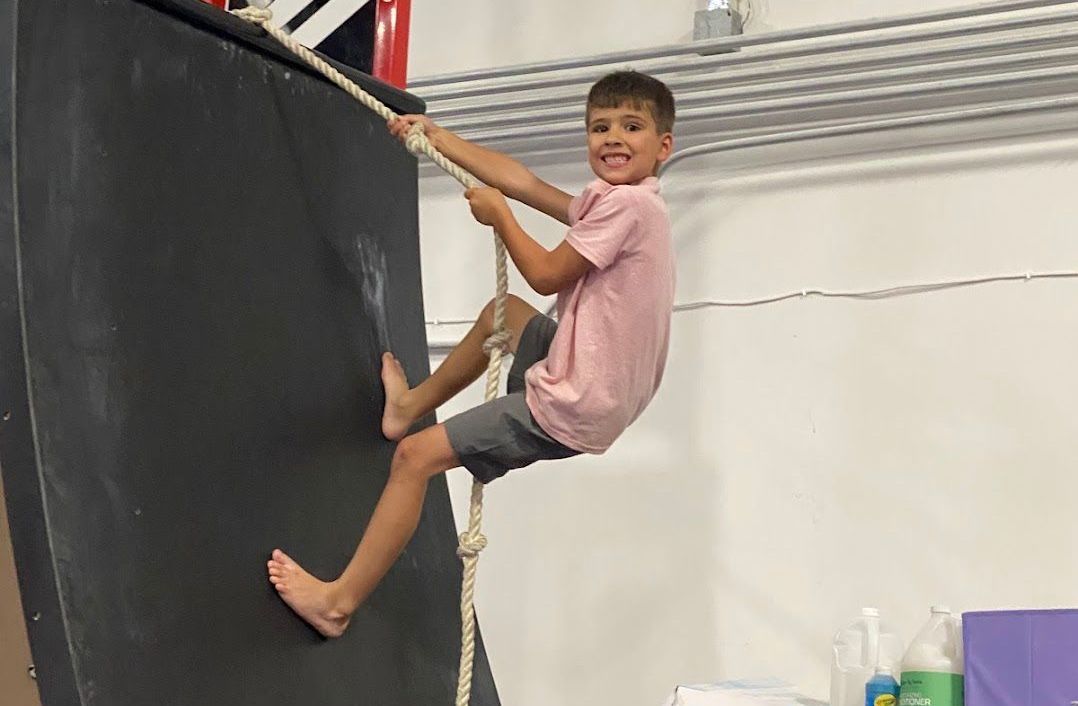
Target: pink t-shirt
<point>607,357</point>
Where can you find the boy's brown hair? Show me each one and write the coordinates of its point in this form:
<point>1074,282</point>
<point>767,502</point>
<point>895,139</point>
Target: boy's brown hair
<point>638,90</point>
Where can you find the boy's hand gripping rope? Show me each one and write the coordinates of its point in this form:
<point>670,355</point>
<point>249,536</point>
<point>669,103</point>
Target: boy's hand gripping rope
<point>472,541</point>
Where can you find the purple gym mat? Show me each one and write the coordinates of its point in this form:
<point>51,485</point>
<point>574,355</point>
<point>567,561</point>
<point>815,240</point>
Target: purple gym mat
<point>1021,658</point>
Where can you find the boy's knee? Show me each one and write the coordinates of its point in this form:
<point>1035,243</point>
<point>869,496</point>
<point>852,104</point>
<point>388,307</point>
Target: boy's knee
<point>405,452</point>
<point>407,460</point>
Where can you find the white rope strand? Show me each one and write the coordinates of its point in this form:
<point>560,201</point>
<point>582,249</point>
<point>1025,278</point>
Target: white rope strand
<point>472,542</point>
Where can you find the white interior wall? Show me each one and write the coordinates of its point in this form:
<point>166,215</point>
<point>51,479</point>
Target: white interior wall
<point>485,33</point>
<point>802,458</point>
<point>777,15</point>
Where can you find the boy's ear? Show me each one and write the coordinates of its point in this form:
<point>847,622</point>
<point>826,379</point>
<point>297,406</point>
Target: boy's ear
<point>666,146</point>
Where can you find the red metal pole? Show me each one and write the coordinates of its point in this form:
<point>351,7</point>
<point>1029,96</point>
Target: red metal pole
<point>391,22</point>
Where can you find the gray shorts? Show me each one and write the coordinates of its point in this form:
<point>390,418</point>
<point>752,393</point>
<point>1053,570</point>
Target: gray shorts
<point>500,435</point>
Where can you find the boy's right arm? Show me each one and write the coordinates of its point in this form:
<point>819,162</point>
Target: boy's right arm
<point>492,168</point>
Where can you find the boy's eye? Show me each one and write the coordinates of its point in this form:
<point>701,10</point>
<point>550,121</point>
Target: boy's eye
<point>598,128</point>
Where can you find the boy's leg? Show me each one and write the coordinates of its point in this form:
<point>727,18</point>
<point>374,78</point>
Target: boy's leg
<point>328,606</point>
<point>461,368</point>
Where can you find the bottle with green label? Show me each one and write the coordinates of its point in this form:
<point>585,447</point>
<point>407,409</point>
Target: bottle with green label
<point>932,666</point>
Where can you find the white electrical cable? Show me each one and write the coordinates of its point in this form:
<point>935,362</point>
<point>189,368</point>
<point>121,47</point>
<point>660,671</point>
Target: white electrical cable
<point>871,294</point>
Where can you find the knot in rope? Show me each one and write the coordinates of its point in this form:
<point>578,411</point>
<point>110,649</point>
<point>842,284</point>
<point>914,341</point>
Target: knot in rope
<point>416,139</point>
<point>469,546</point>
<point>499,340</point>
<point>253,14</point>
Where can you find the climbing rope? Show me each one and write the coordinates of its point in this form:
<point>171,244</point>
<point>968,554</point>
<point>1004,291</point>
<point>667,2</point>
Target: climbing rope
<point>472,542</point>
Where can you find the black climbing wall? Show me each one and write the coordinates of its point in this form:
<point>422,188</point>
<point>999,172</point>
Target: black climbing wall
<point>204,249</point>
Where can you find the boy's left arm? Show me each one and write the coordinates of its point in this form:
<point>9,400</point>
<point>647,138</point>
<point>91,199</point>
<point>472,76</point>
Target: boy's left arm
<point>546,271</point>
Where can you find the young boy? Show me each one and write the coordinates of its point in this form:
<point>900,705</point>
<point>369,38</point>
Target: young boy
<point>574,385</point>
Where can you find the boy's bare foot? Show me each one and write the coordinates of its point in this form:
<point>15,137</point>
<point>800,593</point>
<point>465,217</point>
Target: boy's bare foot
<point>309,597</point>
<point>395,420</point>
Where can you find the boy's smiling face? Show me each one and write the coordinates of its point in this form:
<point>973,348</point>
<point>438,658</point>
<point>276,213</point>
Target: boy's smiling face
<point>624,143</point>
